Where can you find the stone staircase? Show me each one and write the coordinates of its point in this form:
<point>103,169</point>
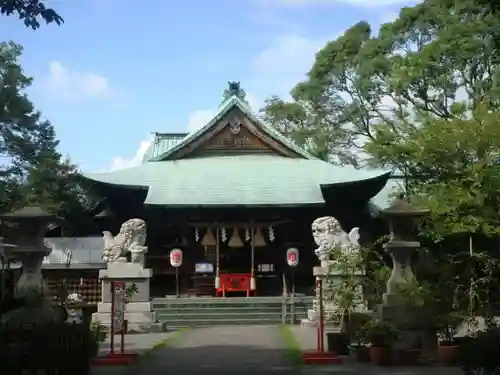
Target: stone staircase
<point>210,311</point>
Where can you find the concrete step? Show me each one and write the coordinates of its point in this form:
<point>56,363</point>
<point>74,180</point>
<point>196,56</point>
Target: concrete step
<point>228,301</point>
<point>209,311</point>
<point>225,309</point>
<point>180,323</point>
<point>210,304</point>
<point>215,316</point>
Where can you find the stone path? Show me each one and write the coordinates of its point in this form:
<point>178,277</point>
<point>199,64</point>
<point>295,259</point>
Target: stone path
<point>243,351</point>
<point>141,342</point>
<point>221,350</point>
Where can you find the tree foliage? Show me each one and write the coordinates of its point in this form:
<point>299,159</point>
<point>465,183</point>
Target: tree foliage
<point>32,170</point>
<point>30,12</point>
<point>433,55</point>
<point>421,95</point>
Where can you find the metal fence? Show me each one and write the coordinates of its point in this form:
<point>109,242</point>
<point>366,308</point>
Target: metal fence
<point>50,349</point>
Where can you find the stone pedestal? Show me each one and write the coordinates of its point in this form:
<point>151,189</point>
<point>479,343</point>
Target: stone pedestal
<point>329,280</point>
<point>138,310</point>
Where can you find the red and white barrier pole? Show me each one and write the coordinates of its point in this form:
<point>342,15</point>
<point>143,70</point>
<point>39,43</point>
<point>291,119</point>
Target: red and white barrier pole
<point>321,325</point>
<point>112,331</point>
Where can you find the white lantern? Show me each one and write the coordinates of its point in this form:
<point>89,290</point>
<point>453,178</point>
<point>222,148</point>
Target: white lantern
<point>176,258</point>
<point>292,257</point>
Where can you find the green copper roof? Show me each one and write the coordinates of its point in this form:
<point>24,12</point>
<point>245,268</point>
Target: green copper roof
<point>235,97</point>
<point>234,180</point>
<point>161,143</point>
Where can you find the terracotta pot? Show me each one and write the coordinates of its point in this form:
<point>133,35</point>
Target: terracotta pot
<point>363,353</point>
<point>380,355</point>
<point>447,354</point>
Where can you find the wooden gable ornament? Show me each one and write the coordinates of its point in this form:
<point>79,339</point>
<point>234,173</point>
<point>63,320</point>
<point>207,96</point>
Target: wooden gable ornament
<point>234,135</point>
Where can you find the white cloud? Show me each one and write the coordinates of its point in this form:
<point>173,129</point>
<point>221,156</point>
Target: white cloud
<point>196,120</point>
<point>357,3</point>
<point>74,86</point>
<point>278,67</point>
<point>122,163</point>
<point>288,55</point>
<point>201,117</point>
<point>389,17</point>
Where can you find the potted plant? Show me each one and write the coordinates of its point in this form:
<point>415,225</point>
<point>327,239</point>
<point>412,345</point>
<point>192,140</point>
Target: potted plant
<point>381,336</point>
<point>344,295</point>
<point>447,327</point>
<point>98,335</point>
<point>359,341</point>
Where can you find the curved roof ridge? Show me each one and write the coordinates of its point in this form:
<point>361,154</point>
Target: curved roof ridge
<point>226,106</point>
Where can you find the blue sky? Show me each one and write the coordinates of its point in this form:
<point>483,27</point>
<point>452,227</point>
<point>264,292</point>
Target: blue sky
<point>115,72</point>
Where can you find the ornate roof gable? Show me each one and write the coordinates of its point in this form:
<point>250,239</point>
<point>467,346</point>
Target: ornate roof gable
<point>234,129</point>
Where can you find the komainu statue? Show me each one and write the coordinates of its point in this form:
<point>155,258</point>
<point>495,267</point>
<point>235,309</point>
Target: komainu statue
<point>75,313</point>
<point>130,240</point>
<point>328,235</point>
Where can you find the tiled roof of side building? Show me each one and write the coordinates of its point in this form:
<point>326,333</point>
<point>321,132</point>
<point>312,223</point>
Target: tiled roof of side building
<point>161,143</point>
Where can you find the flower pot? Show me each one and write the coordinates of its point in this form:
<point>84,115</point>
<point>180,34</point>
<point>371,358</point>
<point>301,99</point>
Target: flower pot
<point>447,353</point>
<point>408,357</point>
<point>380,355</point>
<point>363,353</point>
<point>338,342</point>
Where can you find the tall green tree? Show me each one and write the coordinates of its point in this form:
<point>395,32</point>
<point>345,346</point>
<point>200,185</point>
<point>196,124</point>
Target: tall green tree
<point>32,172</point>
<point>432,56</point>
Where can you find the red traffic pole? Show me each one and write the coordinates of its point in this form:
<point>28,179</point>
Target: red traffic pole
<point>122,336</point>
<point>112,333</point>
<point>321,330</point>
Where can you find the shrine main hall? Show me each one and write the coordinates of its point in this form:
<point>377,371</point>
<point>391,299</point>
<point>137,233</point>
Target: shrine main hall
<point>234,196</point>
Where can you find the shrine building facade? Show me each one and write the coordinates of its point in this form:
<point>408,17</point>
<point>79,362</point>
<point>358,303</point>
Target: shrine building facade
<point>233,196</point>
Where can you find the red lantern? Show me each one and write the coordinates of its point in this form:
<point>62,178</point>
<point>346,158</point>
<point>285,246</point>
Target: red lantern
<point>176,258</point>
<point>292,257</point>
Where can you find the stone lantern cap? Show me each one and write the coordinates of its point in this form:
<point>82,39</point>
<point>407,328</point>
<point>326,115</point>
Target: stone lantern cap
<point>29,212</point>
<point>400,207</point>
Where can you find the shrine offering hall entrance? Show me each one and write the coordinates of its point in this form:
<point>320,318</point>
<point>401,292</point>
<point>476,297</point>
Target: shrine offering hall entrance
<point>238,260</point>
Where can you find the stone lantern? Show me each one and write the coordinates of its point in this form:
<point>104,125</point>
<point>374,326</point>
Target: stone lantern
<point>29,228</point>
<point>402,245</point>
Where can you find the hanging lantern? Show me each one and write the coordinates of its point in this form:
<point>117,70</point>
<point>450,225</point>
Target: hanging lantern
<point>223,234</point>
<point>208,239</point>
<point>247,235</point>
<point>292,257</point>
<point>271,233</point>
<point>176,258</point>
<point>258,238</point>
<point>235,240</point>
<point>196,234</point>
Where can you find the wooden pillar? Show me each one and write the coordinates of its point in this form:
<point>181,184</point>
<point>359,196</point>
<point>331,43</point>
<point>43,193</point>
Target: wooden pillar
<point>253,286</point>
<point>217,260</point>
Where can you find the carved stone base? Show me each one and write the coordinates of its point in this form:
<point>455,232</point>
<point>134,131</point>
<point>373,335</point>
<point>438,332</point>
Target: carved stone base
<point>138,311</point>
<point>140,315</point>
<point>328,278</point>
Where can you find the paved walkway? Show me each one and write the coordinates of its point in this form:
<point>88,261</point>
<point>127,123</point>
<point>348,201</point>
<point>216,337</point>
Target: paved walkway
<point>221,350</point>
<point>141,342</point>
